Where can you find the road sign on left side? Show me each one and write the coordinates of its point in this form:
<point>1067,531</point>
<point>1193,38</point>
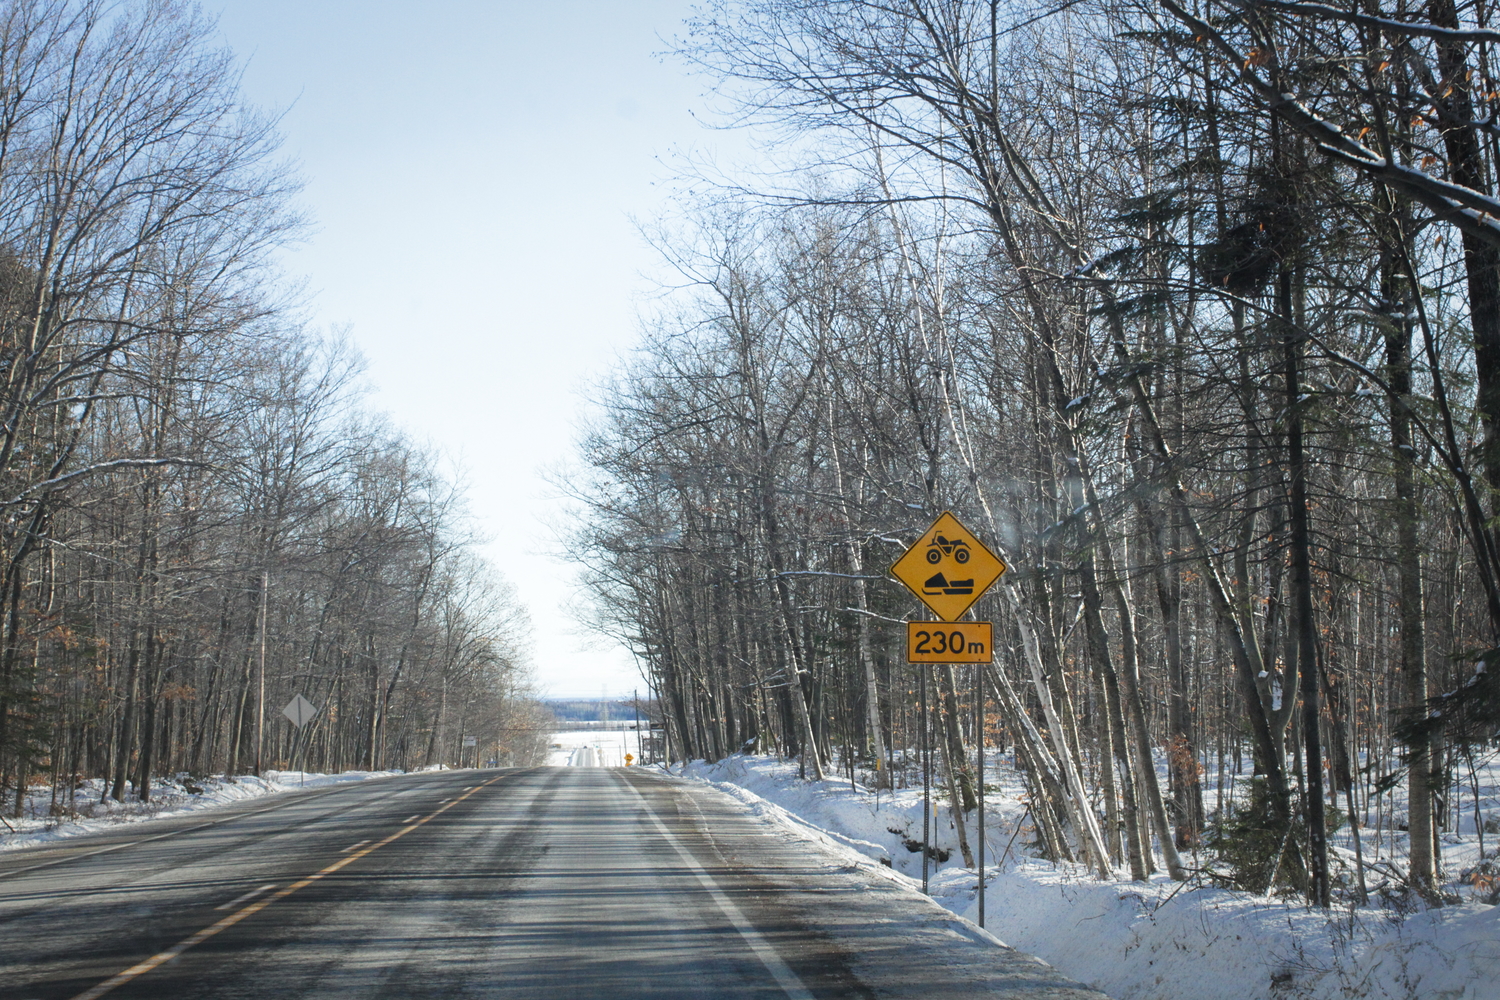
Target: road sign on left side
<point>300,711</point>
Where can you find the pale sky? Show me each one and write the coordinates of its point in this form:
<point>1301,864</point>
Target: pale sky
<point>472,170</point>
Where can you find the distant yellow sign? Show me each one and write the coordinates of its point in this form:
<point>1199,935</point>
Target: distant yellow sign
<point>948,568</point>
<point>628,758</point>
<point>949,642</point>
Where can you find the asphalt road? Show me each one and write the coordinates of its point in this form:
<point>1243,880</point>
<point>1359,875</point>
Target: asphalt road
<point>577,883</point>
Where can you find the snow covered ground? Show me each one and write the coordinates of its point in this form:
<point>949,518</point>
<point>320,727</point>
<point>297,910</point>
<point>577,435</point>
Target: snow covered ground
<point>593,748</point>
<point>1144,941</point>
<point>43,822</point>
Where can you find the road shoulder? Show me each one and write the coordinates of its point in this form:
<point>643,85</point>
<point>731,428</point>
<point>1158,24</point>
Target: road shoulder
<point>892,934</point>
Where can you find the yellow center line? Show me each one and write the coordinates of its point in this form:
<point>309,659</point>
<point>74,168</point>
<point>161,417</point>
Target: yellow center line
<point>141,968</point>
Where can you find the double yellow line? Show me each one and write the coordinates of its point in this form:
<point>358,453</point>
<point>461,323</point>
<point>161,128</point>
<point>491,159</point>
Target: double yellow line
<point>141,968</point>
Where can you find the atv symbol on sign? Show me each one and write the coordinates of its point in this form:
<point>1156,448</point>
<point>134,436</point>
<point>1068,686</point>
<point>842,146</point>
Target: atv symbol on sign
<point>940,546</point>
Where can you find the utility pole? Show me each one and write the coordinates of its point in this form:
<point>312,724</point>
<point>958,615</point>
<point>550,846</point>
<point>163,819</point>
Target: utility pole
<point>636,699</point>
<point>260,699</point>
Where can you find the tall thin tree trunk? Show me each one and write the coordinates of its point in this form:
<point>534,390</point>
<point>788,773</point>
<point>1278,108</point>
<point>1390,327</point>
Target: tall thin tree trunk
<point>1301,543</point>
<point>1397,330</point>
<point>1118,737</point>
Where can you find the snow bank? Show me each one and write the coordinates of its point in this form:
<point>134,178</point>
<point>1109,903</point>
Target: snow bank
<point>91,813</point>
<point>1157,940</point>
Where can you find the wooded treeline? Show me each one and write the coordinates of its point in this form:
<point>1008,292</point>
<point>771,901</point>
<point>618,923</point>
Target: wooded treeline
<point>198,520</point>
<point>1192,312</point>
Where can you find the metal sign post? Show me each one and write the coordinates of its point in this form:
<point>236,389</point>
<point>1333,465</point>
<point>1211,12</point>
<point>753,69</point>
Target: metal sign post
<point>979,769</point>
<point>948,569</point>
<point>924,756</point>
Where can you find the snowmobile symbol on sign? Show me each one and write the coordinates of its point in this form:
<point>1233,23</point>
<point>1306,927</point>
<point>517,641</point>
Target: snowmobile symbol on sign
<point>965,568</point>
<point>940,584</point>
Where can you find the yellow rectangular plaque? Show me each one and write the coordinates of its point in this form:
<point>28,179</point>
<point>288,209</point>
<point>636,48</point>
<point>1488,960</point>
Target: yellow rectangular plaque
<point>949,642</point>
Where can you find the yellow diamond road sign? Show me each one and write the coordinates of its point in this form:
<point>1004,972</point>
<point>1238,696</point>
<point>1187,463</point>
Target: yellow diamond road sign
<point>948,568</point>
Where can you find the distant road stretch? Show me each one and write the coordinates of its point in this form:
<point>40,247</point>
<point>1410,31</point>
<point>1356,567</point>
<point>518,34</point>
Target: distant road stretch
<point>567,883</point>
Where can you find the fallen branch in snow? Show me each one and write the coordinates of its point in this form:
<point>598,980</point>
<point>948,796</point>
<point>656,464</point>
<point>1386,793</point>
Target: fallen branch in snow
<point>1019,824</point>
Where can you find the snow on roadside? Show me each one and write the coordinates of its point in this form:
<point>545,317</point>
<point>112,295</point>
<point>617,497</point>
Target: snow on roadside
<point>91,812</point>
<point>1137,941</point>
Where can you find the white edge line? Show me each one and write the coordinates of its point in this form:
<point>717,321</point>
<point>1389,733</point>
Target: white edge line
<point>790,984</point>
